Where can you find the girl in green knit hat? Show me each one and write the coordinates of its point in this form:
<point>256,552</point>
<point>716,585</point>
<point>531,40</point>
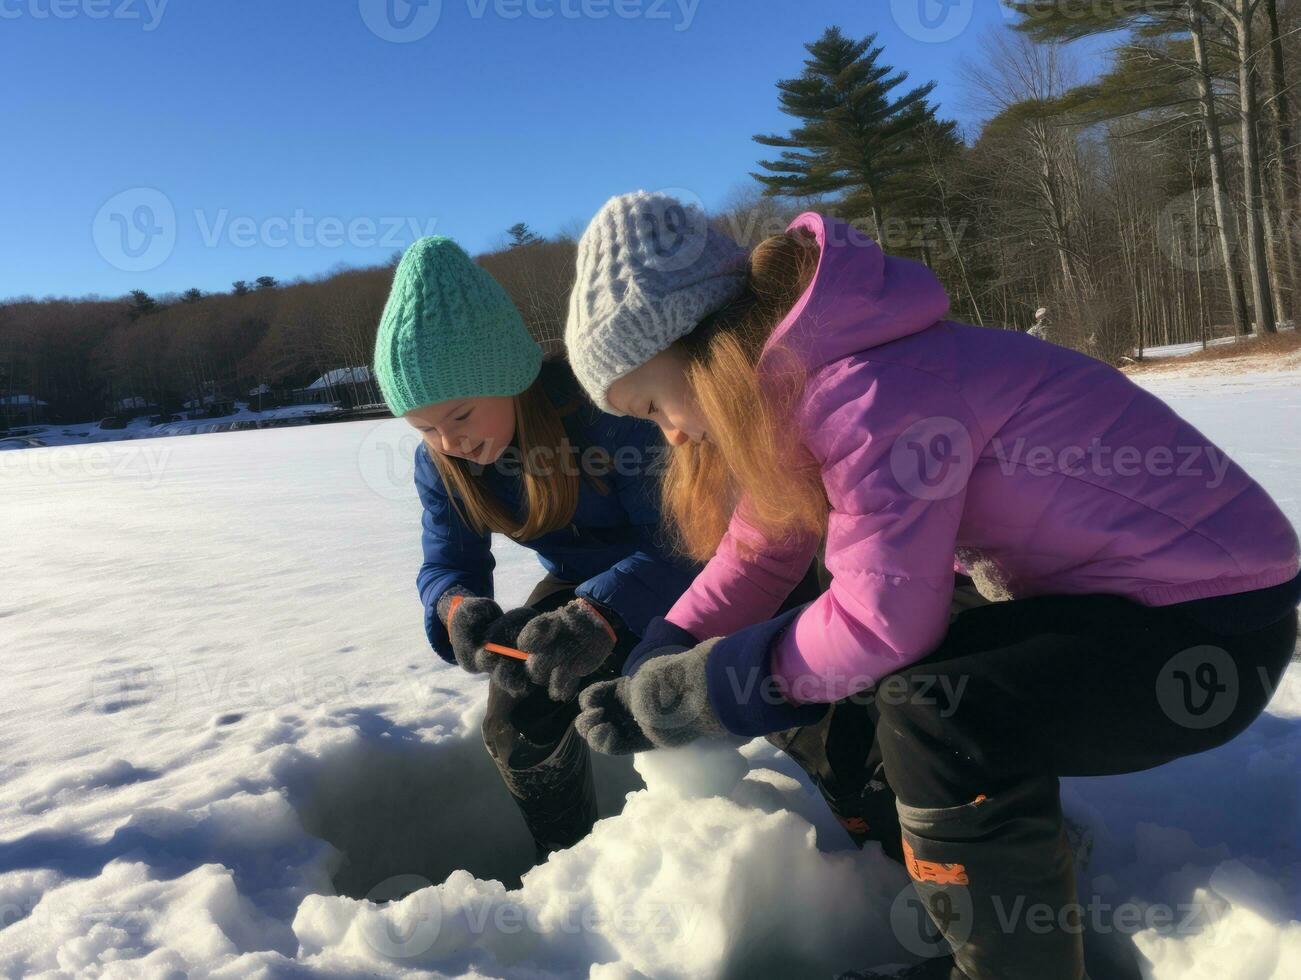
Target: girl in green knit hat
<point>511,445</point>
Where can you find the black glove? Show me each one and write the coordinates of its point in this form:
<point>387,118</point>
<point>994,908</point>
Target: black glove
<point>664,705</point>
<point>607,723</point>
<point>473,621</point>
<point>566,645</point>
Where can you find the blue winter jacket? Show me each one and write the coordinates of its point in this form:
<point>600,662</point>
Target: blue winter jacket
<point>613,547</point>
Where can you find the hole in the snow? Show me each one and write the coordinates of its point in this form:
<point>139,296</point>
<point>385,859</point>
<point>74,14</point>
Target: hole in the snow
<point>394,804</point>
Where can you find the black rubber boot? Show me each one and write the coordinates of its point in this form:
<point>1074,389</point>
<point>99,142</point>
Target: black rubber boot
<point>556,796</point>
<point>868,814</point>
<point>841,757</point>
<point>997,879</point>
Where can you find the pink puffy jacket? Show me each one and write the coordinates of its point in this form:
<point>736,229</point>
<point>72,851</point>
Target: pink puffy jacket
<point>940,441</point>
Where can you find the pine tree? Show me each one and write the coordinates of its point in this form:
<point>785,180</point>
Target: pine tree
<point>240,287</point>
<point>267,282</point>
<point>521,234</point>
<point>142,304</point>
<point>855,137</point>
<point>191,296</point>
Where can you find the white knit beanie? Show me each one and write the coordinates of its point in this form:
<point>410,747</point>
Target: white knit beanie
<point>650,268</point>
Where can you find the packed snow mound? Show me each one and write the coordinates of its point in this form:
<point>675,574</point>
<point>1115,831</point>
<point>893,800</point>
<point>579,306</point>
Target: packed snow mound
<point>228,752</point>
<point>681,884</point>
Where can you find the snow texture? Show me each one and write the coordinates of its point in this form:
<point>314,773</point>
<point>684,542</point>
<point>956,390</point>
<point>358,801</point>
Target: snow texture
<point>222,729</point>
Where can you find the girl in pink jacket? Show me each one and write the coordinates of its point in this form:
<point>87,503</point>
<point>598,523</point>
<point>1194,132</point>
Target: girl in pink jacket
<point>815,394</point>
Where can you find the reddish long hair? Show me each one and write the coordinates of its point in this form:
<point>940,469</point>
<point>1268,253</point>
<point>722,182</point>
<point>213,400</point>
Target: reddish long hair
<point>753,451</point>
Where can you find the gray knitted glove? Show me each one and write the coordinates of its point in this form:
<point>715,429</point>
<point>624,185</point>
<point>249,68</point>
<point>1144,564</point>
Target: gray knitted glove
<point>475,621</point>
<point>664,705</point>
<point>566,645</point>
<point>606,722</point>
<point>473,615</point>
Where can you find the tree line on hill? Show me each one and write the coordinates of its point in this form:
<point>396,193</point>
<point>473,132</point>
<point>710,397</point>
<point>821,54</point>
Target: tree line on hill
<point>1156,202</point>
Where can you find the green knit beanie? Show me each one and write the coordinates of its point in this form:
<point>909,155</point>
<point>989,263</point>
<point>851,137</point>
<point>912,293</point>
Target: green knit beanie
<point>449,331</point>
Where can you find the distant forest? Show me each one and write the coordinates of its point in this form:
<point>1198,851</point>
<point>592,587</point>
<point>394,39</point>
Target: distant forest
<point>1159,202</point>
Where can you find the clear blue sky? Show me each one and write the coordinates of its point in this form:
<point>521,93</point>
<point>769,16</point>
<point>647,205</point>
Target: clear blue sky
<point>301,122</point>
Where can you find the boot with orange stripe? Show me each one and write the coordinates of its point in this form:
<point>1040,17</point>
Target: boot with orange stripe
<point>997,879</point>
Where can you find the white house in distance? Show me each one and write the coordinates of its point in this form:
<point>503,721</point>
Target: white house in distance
<point>347,387</point>
<point>131,403</point>
<point>21,409</point>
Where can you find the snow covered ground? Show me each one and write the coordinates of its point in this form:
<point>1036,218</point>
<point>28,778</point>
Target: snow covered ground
<point>221,729</point>
<point>1183,350</point>
<point>1243,367</point>
<point>85,433</point>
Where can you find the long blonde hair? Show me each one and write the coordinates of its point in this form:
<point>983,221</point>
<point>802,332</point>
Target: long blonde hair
<point>753,451</point>
<point>550,470</point>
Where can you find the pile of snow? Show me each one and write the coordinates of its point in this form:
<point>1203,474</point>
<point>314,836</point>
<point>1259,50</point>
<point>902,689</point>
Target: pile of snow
<point>223,730</point>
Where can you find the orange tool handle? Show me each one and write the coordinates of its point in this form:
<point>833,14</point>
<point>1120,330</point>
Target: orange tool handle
<point>506,651</point>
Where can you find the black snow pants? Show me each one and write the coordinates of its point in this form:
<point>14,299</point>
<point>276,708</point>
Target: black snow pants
<point>974,737</point>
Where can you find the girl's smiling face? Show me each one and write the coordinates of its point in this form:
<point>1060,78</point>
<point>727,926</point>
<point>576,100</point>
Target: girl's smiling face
<point>658,390</point>
<point>477,429</point>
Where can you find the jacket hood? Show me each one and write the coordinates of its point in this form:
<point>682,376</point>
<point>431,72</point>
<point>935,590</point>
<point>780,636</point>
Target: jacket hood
<point>859,297</point>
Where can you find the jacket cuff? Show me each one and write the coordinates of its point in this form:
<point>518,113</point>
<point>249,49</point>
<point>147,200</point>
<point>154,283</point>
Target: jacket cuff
<point>437,633</point>
<point>742,690</point>
<point>639,587</point>
<point>603,616</point>
<point>660,639</point>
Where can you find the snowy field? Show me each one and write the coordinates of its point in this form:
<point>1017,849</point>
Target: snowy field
<point>83,433</point>
<point>222,729</point>
<point>1183,350</point>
